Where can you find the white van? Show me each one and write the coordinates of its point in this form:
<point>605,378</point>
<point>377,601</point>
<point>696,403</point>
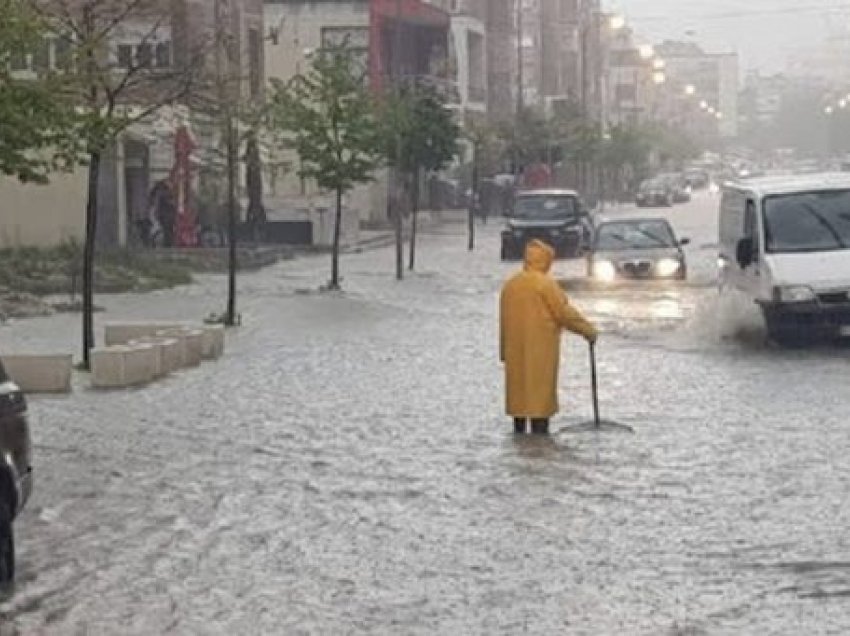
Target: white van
<point>785,243</point>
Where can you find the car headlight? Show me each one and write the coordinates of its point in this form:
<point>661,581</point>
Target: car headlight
<point>667,267</point>
<point>604,271</point>
<point>794,294</point>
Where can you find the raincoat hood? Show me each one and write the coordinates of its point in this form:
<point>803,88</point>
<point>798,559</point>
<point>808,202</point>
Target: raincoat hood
<point>539,257</point>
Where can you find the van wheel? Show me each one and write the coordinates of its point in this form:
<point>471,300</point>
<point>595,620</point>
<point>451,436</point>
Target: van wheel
<point>7,545</point>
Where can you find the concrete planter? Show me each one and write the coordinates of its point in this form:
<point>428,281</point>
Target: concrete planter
<point>123,366</point>
<point>213,344</point>
<point>40,373</point>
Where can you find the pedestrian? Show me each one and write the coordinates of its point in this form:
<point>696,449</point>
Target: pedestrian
<point>534,310</point>
<point>164,210</point>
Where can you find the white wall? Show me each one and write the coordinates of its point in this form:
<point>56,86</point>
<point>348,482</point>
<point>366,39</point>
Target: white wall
<point>37,215</point>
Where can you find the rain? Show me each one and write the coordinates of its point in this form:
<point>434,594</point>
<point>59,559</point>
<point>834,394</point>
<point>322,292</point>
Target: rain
<point>269,371</point>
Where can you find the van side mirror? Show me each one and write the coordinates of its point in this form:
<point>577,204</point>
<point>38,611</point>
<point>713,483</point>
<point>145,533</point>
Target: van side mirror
<point>745,253</point>
<point>684,241</point>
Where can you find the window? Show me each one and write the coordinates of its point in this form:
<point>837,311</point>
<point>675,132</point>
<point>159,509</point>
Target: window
<point>163,55</point>
<point>751,230</point>
<point>144,55</point>
<point>125,56</point>
<point>41,57</point>
<point>62,54</point>
<point>19,61</point>
<point>356,39</point>
<point>808,222</point>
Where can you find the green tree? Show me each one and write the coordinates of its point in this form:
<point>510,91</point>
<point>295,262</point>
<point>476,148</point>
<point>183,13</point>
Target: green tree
<point>420,136</point>
<point>36,121</point>
<point>112,94</point>
<point>328,116</point>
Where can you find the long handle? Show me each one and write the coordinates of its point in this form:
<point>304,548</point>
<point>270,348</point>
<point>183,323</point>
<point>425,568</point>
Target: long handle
<point>595,385</point>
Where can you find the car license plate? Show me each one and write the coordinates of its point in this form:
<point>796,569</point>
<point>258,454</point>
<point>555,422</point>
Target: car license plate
<point>844,331</point>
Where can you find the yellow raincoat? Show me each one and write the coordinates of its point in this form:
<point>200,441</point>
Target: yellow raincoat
<point>533,312</point>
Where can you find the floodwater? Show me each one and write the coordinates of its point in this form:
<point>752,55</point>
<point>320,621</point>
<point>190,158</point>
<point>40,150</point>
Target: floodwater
<point>347,469</point>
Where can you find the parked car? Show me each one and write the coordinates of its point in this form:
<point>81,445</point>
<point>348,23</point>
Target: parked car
<point>15,468</point>
<point>636,249</point>
<point>679,186</point>
<point>697,179</point>
<point>655,193</point>
<point>557,217</point>
<point>785,245</point>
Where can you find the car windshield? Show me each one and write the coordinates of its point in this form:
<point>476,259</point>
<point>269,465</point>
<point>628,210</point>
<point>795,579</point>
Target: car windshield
<point>545,207</point>
<point>808,222</point>
<point>634,235</point>
<point>653,184</point>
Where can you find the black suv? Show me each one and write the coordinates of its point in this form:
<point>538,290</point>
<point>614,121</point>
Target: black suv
<point>556,217</point>
<point>15,468</point>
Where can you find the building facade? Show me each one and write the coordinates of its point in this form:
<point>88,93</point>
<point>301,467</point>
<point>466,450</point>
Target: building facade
<point>159,37</point>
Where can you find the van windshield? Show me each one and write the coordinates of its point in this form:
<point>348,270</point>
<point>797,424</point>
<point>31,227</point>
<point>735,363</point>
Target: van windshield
<point>808,222</point>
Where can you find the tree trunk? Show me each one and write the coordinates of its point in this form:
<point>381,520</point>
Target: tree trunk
<point>399,232</point>
<point>335,282</point>
<point>473,197</point>
<point>89,257</point>
<point>230,318</point>
<point>414,211</point>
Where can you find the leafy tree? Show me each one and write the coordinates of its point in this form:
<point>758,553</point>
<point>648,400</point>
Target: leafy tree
<point>328,116</point>
<point>112,94</point>
<point>36,121</point>
<point>420,135</point>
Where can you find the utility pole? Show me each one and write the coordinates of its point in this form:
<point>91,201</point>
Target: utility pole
<point>225,76</point>
<point>520,75</point>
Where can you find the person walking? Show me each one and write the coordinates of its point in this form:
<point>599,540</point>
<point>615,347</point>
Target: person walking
<point>533,312</point>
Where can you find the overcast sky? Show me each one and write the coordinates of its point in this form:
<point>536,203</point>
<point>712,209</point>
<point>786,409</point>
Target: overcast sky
<point>763,32</point>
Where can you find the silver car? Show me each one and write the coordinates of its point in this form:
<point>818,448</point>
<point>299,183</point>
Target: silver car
<point>636,249</point>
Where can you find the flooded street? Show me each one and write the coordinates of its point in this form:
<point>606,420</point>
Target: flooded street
<point>347,467</point>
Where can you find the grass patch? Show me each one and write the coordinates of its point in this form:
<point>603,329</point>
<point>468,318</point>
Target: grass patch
<point>58,270</point>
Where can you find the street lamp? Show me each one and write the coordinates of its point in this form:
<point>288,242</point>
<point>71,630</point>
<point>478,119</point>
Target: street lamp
<point>646,51</point>
<point>719,116</point>
<point>659,77</point>
<point>703,105</point>
<point>842,103</point>
<point>658,64</point>
<point>617,22</point>
<point>690,90</point>
<point>829,110</point>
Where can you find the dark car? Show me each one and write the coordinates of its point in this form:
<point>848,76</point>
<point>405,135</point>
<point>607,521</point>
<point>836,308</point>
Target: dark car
<point>636,249</point>
<point>556,217</point>
<point>654,193</point>
<point>15,468</point>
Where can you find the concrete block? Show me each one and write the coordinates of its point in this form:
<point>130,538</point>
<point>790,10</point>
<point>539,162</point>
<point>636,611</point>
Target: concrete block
<point>191,344</point>
<point>167,352</point>
<point>40,373</point>
<point>213,342</point>
<point>120,333</point>
<point>123,366</point>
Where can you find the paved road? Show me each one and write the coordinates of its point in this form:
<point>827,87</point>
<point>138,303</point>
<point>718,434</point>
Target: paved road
<point>347,469</point>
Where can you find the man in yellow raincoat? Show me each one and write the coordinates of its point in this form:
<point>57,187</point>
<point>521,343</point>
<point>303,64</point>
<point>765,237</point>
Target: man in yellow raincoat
<point>534,310</point>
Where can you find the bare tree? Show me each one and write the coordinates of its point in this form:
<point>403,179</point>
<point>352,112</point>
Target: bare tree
<point>120,66</point>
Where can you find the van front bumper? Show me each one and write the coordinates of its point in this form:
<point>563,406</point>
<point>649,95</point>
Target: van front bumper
<point>808,320</point>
